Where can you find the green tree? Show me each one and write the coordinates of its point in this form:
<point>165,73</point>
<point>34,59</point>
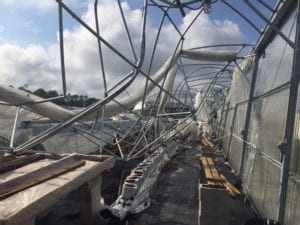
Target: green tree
<point>40,92</point>
<point>52,93</point>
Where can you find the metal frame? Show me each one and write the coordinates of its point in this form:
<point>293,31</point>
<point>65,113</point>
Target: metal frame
<point>287,143</point>
<point>248,113</point>
<point>231,130</point>
<point>109,96</point>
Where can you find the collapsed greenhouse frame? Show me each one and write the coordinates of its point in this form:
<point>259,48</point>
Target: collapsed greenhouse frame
<point>258,123</point>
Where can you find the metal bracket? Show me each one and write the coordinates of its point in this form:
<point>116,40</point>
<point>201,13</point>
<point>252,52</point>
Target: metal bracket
<point>244,134</point>
<point>180,6</point>
<point>282,147</point>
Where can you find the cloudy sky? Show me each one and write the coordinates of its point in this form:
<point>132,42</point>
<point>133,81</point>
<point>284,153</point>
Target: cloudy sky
<point>29,46</point>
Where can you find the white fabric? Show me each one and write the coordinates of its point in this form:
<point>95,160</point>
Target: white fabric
<point>209,56</point>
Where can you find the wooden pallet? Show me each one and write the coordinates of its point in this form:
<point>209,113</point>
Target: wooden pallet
<point>206,142</point>
<point>215,179</point>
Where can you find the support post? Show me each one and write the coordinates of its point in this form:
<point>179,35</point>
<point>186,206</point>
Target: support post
<point>223,116</point>
<point>11,145</point>
<point>90,201</point>
<point>286,145</point>
<point>231,129</point>
<point>245,131</point>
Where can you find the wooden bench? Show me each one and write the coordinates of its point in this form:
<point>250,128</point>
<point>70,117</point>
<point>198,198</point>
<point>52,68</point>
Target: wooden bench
<point>40,185</point>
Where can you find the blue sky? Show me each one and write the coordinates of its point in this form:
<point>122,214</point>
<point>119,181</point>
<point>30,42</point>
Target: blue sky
<point>30,28</point>
<point>26,24</point>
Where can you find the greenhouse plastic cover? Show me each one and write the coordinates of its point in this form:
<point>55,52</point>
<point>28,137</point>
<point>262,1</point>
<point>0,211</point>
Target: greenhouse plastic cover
<point>262,169</point>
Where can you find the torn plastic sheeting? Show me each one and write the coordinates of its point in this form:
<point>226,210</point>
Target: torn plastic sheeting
<point>168,84</point>
<point>241,81</point>
<point>201,112</point>
<point>7,115</point>
<point>209,55</point>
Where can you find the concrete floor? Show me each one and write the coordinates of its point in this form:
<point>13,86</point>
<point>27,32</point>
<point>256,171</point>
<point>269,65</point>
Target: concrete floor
<point>176,200</point>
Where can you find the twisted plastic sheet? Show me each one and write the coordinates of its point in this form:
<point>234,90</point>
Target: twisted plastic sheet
<point>241,81</point>
<point>7,116</point>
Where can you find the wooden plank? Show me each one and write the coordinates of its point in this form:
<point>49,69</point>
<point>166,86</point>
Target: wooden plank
<point>215,173</point>
<point>24,169</point>
<point>206,167</point>
<point>97,158</point>
<point>208,142</point>
<point>17,163</point>
<point>38,176</point>
<point>215,179</point>
<point>204,143</point>
<point>211,173</point>
<point>233,191</point>
<point>207,171</point>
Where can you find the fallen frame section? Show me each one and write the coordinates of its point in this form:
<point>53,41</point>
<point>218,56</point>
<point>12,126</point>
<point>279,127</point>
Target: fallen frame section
<point>139,186</point>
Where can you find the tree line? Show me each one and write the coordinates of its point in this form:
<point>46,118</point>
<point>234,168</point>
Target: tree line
<point>70,100</point>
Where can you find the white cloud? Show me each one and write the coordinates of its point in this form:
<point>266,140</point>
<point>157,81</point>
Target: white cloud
<point>32,65</point>
<point>206,31</point>
<point>39,66</point>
